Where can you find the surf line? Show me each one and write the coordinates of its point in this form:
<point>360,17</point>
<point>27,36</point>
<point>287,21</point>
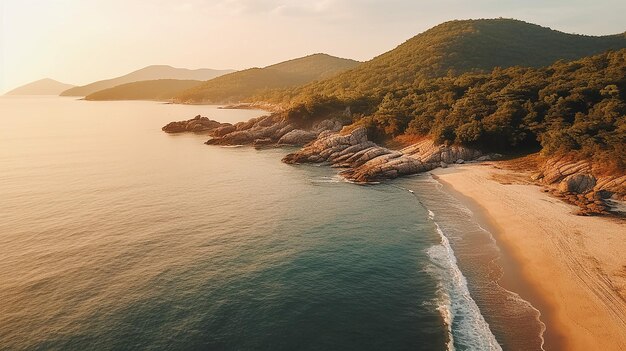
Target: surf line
<point>486,340</point>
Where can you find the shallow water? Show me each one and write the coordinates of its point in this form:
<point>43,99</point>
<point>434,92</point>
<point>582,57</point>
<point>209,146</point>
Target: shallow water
<point>115,235</point>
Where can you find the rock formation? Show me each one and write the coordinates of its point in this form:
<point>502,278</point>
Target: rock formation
<point>197,124</point>
<point>272,130</point>
<point>366,162</point>
<point>576,182</point>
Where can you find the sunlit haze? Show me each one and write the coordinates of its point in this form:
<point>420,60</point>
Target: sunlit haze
<point>78,42</point>
<point>296,175</point>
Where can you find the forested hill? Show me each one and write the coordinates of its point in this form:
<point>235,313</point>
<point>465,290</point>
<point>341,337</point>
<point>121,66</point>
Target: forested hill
<point>240,86</point>
<point>160,89</point>
<point>575,108</point>
<point>453,48</point>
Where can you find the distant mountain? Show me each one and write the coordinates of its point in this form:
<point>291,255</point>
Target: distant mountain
<point>44,86</point>
<point>456,47</point>
<point>160,89</point>
<point>147,73</point>
<point>241,85</point>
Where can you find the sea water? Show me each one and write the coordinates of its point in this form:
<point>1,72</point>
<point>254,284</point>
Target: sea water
<point>115,235</point>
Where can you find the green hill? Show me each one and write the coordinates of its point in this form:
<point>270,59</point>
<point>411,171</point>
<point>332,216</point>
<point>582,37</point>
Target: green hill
<point>160,89</point>
<point>240,86</point>
<point>573,108</point>
<point>453,48</point>
<point>576,107</point>
<point>147,73</point>
<point>464,82</point>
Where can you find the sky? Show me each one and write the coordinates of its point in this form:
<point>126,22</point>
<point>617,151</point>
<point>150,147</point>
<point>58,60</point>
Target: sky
<point>81,41</point>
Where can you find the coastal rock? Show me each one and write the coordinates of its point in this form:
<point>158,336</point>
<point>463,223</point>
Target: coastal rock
<point>614,185</point>
<point>327,125</point>
<point>197,124</point>
<point>429,152</point>
<point>275,127</point>
<point>297,137</point>
<point>367,162</point>
<point>577,183</point>
<point>234,138</point>
<point>223,130</point>
<point>323,147</point>
<point>245,133</point>
<point>555,170</point>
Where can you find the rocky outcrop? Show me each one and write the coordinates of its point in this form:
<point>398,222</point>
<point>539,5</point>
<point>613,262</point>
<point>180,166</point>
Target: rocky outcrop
<point>272,130</point>
<point>245,133</point>
<point>614,185</point>
<point>197,124</point>
<point>366,162</point>
<point>297,137</point>
<point>576,182</point>
<point>223,130</point>
<point>556,169</point>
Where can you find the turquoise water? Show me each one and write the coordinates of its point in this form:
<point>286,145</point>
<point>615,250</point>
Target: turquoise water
<point>115,235</point>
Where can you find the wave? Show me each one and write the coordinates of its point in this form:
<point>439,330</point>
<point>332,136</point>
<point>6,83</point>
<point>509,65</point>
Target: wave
<point>510,295</point>
<point>334,179</point>
<point>467,327</point>
<point>460,227</point>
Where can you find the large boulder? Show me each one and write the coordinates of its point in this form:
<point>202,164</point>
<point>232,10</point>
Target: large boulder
<point>577,183</point>
<point>297,137</point>
<point>221,131</point>
<point>331,125</point>
<point>197,124</point>
<point>175,127</point>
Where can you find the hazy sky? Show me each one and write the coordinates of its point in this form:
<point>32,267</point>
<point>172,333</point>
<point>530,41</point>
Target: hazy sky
<point>80,41</point>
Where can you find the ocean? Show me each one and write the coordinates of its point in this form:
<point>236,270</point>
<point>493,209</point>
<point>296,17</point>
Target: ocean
<point>117,236</point>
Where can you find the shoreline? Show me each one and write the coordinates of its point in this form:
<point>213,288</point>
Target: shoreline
<point>550,257</point>
<point>512,278</point>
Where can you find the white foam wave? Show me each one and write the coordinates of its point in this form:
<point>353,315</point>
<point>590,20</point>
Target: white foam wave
<point>335,179</point>
<point>467,327</point>
<point>512,295</point>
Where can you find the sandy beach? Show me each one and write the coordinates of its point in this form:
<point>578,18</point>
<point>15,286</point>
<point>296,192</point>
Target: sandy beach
<point>572,268</point>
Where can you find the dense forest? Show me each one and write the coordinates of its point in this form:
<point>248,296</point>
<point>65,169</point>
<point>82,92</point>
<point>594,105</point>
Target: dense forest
<point>499,85</point>
<point>159,89</point>
<point>576,108</point>
<point>242,85</point>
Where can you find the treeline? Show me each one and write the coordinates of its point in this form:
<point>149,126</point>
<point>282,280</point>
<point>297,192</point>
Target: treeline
<point>576,107</point>
<point>450,49</point>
